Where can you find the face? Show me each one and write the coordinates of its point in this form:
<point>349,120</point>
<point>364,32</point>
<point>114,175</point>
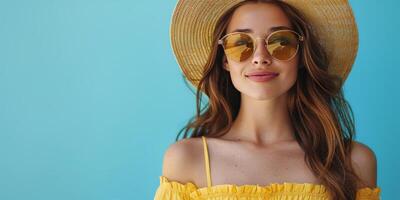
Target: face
<point>260,17</point>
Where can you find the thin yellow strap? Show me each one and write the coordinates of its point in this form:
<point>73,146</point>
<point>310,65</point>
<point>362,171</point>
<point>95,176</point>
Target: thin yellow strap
<point>207,162</point>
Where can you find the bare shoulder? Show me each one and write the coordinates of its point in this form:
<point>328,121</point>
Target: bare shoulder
<point>181,160</point>
<point>365,164</point>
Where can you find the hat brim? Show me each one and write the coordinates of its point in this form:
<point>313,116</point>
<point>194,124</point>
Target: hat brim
<point>193,22</point>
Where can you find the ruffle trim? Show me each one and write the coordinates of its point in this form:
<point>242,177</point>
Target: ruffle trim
<point>186,187</point>
<point>367,192</point>
<point>303,189</point>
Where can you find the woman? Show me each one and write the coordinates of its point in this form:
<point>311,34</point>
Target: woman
<point>277,125</point>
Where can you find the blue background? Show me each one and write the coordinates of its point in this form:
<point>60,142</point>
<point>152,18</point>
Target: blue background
<point>91,96</point>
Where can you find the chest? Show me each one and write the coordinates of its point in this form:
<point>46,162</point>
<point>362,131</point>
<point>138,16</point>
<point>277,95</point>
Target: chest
<point>241,165</point>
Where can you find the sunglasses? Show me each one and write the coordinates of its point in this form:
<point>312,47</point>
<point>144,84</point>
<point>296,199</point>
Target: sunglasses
<point>281,45</point>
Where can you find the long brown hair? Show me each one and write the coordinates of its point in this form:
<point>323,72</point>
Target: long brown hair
<point>322,118</point>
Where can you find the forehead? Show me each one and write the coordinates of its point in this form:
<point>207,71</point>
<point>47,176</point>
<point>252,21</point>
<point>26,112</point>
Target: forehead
<point>259,17</point>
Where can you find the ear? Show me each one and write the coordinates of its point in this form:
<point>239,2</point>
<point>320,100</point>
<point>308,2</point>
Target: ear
<point>225,63</point>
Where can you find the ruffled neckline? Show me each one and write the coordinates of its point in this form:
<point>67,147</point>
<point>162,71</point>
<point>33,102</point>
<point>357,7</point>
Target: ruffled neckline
<point>272,188</point>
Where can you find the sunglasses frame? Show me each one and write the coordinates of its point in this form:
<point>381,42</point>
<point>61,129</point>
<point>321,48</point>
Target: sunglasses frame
<point>300,39</point>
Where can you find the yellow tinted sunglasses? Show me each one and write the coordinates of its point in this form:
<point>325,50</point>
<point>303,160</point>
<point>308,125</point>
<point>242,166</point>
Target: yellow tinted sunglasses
<point>281,45</point>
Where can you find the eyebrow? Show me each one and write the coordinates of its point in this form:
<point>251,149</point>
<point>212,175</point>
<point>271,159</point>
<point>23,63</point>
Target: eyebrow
<point>275,28</point>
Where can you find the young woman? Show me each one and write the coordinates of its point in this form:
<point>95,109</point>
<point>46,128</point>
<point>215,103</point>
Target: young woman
<point>277,125</point>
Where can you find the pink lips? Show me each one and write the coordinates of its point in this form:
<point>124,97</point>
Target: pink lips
<point>261,76</point>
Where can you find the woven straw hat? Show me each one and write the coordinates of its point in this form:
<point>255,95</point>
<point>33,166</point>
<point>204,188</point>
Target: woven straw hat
<point>193,23</point>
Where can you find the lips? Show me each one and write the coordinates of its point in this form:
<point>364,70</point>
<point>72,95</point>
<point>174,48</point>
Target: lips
<point>261,73</point>
<point>261,76</point>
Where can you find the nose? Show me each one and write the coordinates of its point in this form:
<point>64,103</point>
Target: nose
<point>261,55</point>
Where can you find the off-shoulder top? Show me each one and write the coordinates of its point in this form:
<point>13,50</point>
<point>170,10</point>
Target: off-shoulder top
<point>174,190</point>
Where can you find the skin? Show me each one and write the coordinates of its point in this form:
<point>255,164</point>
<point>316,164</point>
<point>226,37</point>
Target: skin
<point>263,116</point>
<point>260,147</point>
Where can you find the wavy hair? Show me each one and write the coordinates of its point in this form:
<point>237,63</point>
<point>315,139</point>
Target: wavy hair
<point>322,118</point>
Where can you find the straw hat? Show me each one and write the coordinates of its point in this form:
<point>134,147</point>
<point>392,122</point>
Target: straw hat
<point>193,24</point>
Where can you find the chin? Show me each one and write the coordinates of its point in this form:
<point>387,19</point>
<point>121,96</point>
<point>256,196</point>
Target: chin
<point>261,96</point>
<point>264,95</point>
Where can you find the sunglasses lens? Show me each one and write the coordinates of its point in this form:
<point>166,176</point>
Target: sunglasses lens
<point>283,45</point>
<point>238,47</point>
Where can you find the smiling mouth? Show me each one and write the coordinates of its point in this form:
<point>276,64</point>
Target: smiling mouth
<point>262,74</point>
<point>262,77</point>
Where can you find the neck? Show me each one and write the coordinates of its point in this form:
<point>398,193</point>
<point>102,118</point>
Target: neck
<point>263,121</point>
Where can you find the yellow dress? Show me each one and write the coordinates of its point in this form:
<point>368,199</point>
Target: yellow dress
<point>173,190</point>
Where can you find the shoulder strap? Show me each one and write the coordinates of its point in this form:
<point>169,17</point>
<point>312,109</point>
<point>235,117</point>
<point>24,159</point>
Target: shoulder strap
<point>207,161</point>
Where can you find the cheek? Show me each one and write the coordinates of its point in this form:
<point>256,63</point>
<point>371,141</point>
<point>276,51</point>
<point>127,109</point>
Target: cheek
<point>290,78</point>
<point>236,76</point>
<point>289,74</point>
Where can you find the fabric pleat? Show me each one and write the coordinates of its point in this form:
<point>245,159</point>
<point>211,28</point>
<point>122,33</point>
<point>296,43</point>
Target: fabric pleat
<point>173,190</point>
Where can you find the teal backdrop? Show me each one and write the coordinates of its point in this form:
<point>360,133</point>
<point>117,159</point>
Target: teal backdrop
<point>91,96</point>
